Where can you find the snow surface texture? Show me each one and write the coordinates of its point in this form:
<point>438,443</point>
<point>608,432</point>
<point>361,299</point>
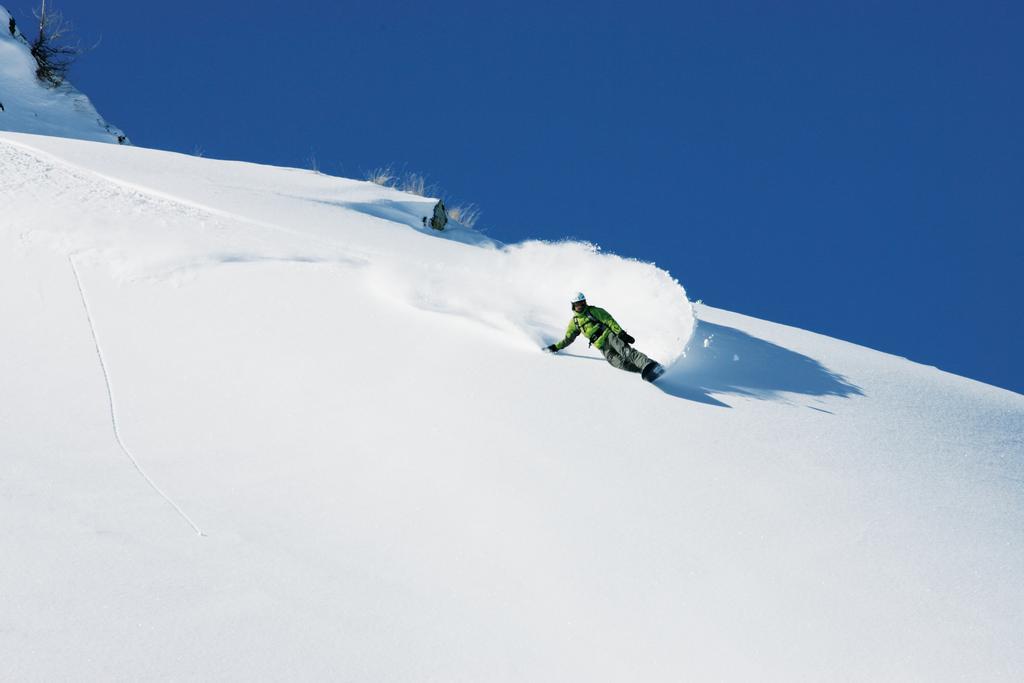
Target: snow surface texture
<point>30,106</point>
<point>228,212</point>
<point>393,483</point>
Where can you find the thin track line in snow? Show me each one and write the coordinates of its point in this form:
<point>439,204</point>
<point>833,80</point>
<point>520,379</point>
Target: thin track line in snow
<point>113,409</point>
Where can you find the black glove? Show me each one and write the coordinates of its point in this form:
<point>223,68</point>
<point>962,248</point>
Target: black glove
<point>624,336</point>
<point>550,349</point>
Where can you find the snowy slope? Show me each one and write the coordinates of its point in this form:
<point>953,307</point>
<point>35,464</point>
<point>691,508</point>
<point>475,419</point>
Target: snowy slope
<point>259,423</point>
<point>30,106</point>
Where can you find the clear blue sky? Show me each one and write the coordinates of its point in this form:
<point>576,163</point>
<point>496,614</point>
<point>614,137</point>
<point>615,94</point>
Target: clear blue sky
<point>853,168</point>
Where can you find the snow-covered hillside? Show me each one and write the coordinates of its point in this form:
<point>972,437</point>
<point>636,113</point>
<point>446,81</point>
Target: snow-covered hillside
<point>30,106</point>
<point>260,423</point>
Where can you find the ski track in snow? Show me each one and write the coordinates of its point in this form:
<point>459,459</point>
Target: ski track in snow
<point>112,405</point>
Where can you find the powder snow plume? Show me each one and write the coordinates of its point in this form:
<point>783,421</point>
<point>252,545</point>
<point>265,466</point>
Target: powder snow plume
<point>525,288</point>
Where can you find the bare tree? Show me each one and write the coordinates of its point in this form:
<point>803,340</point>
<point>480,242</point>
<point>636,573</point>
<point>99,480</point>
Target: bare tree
<point>53,55</point>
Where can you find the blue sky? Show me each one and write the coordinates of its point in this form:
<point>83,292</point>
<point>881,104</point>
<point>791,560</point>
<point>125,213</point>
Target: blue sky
<point>850,168</point>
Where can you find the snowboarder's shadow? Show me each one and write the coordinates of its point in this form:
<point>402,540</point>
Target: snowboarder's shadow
<point>733,362</point>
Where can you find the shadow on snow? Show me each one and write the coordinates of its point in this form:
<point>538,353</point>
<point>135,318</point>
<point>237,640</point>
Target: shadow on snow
<point>412,213</point>
<point>733,362</point>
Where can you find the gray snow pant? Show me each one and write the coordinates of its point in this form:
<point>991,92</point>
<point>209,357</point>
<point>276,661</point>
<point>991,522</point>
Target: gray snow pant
<point>623,356</point>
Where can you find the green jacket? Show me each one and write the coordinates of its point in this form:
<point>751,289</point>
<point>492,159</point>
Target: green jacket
<point>591,326</point>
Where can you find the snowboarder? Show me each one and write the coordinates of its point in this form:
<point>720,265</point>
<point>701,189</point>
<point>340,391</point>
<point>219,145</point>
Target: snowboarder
<point>600,328</point>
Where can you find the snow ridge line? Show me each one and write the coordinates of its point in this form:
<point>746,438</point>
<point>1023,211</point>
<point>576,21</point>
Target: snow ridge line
<point>358,257</point>
<point>113,410</point>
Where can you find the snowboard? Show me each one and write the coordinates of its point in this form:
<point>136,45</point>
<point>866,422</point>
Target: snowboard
<point>653,371</point>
